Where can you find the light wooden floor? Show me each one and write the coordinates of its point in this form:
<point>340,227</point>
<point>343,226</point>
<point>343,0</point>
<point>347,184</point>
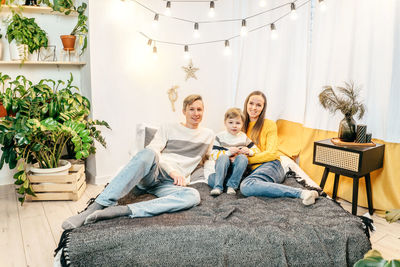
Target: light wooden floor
<point>29,234</point>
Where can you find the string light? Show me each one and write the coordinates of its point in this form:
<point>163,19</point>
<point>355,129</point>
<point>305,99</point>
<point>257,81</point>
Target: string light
<point>322,5</point>
<point>186,53</point>
<point>293,13</point>
<point>227,50</point>
<point>168,9</point>
<point>155,21</point>
<point>155,56</point>
<point>211,13</point>
<point>262,3</point>
<point>149,43</point>
<point>243,30</point>
<point>274,33</point>
<point>196,33</point>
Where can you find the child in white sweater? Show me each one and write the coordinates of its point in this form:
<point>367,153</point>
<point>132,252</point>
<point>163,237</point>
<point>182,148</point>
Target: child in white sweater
<point>230,151</point>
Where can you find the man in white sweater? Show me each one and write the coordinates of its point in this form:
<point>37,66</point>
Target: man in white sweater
<point>163,169</point>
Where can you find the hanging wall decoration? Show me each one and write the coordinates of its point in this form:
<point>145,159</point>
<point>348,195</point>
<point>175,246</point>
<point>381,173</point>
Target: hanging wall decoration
<point>190,71</point>
<point>173,96</point>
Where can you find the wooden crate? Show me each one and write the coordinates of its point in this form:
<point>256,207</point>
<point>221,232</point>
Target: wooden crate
<point>59,187</point>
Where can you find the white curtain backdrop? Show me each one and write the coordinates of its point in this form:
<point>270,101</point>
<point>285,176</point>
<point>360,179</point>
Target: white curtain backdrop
<point>276,67</point>
<point>357,40</point>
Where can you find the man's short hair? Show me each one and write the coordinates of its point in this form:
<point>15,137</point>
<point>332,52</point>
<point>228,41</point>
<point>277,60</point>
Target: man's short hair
<point>234,113</point>
<point>190,100</point>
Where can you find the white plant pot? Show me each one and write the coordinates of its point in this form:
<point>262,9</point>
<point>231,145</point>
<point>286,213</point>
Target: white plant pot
<point>18,51</point>
<point>62,170</point>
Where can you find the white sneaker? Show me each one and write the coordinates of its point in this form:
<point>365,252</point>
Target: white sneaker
<point>215,192</point>
<point>231,191</point>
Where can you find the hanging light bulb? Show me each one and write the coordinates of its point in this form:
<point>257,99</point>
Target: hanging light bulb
<point>322,5</point>
<point>243,30</point>
<point>149,42</point>
<point>168,9</point>
<point>186,54</point>
<point>227,50</point>
<point>262,3</point>
<point>155,56</point>
<point>274,33</point>
<point>211,13</point>
<point>293,13</point>
<point>196,33</point>
<point>155,21</point>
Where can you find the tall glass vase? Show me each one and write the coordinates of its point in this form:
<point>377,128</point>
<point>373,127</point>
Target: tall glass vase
<point>347,129</point>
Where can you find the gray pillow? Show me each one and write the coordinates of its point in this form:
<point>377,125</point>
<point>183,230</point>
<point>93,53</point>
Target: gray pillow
<point>149,134</point>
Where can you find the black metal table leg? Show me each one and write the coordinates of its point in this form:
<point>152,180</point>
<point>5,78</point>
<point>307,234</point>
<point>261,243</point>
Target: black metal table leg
<point>355,196</point>
<point>335,185</point>
<point>324,177</point>
<point>369,193</point>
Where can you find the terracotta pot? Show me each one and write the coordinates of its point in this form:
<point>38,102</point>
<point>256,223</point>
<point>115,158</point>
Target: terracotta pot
<point>68,42</point>
<point>3,2</point>
<point>3,111</point>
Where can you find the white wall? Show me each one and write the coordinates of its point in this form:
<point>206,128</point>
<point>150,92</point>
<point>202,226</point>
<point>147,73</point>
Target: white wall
<point>55,26</point>
<point>129,87</point>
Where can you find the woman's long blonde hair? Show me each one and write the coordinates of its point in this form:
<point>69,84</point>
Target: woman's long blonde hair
<point>255,132</point>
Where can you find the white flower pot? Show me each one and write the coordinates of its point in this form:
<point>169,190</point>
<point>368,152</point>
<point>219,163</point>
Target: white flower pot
<point>18,51</point>
<point>62,170</point>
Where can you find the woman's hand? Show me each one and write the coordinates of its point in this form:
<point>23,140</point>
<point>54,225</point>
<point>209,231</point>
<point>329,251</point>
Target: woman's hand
<point>245,151</point>
<point>178,178</point>
<point>234,151</point>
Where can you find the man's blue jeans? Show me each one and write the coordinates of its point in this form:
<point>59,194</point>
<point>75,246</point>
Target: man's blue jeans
<point>143,171</point>
<point>227,171</point>
<point>265,181</point>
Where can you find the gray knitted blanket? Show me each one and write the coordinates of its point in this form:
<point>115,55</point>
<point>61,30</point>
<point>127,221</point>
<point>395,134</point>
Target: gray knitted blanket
<point>224,231</point>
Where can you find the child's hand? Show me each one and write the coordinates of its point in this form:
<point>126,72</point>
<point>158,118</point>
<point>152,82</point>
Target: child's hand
<point>245,150</point>
<point>234,150</point>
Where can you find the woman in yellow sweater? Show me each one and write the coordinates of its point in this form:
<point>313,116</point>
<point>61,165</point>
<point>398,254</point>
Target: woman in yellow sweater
<point>267,173</point>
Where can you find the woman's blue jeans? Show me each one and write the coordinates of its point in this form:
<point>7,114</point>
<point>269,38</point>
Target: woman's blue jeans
<point>228,171</point>
<point>144,172</point>
<point>265,181</point>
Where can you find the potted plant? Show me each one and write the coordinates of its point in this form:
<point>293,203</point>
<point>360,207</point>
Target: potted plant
<point>47,119</point>
<point>373,258</point>
<point>24,36</point>
<point>347,103</point>
<point>80,30</point>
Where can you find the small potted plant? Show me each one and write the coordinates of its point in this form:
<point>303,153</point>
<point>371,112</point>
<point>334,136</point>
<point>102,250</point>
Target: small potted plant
<point>80,30</point>
<point>346,102</point>
<point>49,116</point>
<point>24,36</point>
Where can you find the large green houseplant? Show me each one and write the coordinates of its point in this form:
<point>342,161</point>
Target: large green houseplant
<point>25,31</point>
<point>345,100</point>
<point>49,117</point>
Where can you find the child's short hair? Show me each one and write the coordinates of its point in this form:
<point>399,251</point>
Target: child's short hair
<point>234,113</point>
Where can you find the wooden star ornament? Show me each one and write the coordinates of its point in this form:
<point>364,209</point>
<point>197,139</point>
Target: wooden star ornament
<point>190,71</point>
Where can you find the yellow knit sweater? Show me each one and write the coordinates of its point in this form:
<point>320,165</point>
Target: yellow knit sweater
<point>268,144</point>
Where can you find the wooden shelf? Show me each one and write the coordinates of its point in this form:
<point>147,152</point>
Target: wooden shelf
<point>34,9</point>
<point>18,62</point>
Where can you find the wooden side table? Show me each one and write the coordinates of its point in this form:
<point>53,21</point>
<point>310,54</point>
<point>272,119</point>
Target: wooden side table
<point>354,162</point>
